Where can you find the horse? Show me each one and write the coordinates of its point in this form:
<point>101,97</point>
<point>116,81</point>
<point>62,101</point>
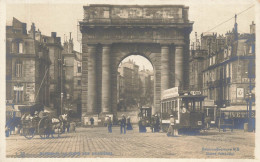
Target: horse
<point>52,124</point>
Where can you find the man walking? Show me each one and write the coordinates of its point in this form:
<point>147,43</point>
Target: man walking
<point>123,123</point>
<point>92,122</point>
<point>109,125</point>
<point>171,127</point>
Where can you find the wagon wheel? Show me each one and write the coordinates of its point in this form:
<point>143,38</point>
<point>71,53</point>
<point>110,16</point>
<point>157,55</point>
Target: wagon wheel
<point>43,128</point>
<point>29,133</point>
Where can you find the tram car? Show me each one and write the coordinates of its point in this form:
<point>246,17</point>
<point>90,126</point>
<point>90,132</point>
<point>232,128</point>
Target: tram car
<point>144,118</point>
<point>145,115</point>
<point>186,108</point>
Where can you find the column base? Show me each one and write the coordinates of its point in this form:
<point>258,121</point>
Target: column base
<point>86,119</point>
<point>103,117</point>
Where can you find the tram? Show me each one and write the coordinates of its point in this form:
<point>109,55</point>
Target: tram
<point>186,108</point>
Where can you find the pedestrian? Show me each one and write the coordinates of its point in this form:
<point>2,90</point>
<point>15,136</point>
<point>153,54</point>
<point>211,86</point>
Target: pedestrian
<point>92,122</point>
<point>128,124</point>
<point>123,123</point>
<point>171,126</point>
<point>152,124</point>
<point>109,125</point>
<point>157,123</point>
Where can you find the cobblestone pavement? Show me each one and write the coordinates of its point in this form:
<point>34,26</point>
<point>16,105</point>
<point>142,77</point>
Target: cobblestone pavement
<point>96,142</point>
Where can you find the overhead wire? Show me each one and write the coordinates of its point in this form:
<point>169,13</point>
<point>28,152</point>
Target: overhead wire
<point>230,18</point>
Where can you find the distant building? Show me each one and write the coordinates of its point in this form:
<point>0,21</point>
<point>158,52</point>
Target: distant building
<point>146,87</point>
<point>72,63</point>
<point>196,64</point>
<point>27,66</point>
<point>134,86</point>
<point>229,66</point>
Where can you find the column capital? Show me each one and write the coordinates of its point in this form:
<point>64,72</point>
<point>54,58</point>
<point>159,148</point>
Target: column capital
<point>92,45</point>
<point>165,45</point>
<point>179,45</point>
<point>106,45</point>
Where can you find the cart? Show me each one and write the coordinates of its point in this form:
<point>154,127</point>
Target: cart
<point>44,127</point>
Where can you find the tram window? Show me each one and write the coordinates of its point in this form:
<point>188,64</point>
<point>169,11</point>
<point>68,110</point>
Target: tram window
<point>176,105</point>
<point>162,107</point>
<point>197,105</point>
<point>170,105</point>
<point>190,106</point>
<point>173,108</point>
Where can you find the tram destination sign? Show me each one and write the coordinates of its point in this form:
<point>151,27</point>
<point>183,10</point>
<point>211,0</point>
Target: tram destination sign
<point>169,93</point>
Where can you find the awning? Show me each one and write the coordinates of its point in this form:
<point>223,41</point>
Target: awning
<point>237,108</point>
<point>13,107</point>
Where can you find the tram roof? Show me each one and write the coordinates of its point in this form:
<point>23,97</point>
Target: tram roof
<point>187,97</point>
<point>192,96</point>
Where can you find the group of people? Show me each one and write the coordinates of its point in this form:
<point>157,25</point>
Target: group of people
<point>155,123</point>
<point>125,124</point>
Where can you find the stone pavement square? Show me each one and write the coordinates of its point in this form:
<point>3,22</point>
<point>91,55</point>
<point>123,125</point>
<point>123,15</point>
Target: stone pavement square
<point>97,142</point>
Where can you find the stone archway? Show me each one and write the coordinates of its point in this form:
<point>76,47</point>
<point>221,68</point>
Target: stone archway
<point>112,32</point>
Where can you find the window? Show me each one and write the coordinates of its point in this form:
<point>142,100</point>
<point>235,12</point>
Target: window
<point>20,48</point>
<point>79,68</point>
<point>227,70</point>
<point>213,60</point>
<point>18,69</point>
<point>18,94</point>
<point>225,53</point>
<point>245,50</point>
<point>229,50</point>
<point>13,47</point>
<point>79,82</point>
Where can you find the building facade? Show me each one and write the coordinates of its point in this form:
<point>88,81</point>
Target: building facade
<point>27,66</point>
<point>228,68</point>
<point>72,66</point>
<point>110,33</point>
<point>56,70</point>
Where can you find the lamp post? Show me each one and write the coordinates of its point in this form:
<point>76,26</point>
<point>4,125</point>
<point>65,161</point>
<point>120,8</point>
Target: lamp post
<point>61,87</point>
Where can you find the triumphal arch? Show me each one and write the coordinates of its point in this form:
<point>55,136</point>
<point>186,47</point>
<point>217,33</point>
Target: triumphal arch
<point>112,32</point>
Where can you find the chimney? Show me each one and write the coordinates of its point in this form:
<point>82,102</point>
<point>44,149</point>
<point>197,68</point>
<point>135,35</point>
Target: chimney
<point>53,34</point>
<point>33,30</point>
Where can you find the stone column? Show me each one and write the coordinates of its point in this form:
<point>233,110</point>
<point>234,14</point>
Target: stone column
<point>164,67</point>
<point>92,91</point>
<point>106,82</point>
<point>179,66</point>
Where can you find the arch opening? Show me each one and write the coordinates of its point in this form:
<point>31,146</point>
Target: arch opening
<point>135,83</point>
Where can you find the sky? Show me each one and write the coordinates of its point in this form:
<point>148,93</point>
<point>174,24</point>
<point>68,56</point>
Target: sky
<point>63,17</point>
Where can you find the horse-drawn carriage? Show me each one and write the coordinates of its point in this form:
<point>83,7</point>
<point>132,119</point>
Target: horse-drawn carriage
<point>43,123</point>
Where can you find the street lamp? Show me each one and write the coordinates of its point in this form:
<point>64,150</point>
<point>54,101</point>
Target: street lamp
<point>61,87</point>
